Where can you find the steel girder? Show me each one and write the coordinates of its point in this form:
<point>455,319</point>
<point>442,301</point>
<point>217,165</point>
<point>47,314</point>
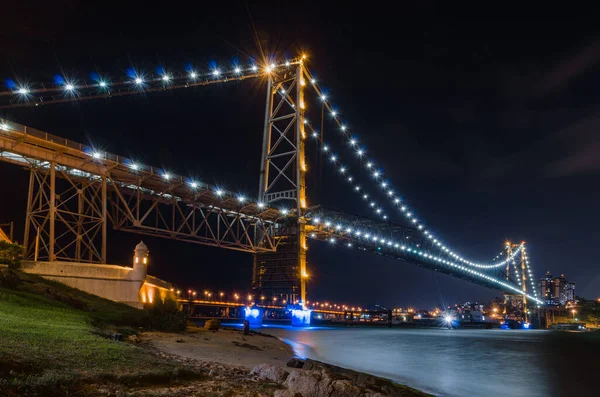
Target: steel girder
<point>68,201</point>
<point>163,214</point>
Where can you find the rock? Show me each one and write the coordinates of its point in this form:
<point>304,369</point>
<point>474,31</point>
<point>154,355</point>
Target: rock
<point>314,365</point>
<point>179,341</point>
<point>212,324</point>
<point>133,339</point>
<point>307,383</point>
<point>270,372</point>
<point>118,337</point>
<point>344,388</point>
<point>295,363</point>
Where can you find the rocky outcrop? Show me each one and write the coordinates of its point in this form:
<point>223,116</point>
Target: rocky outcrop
<point>315,379</point>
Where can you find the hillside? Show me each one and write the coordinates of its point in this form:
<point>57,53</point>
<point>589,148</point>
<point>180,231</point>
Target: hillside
<point>55,339</point>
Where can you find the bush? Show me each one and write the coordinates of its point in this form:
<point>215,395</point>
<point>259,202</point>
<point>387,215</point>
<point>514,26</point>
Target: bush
<point>11,254</point>
<point>165,316</point>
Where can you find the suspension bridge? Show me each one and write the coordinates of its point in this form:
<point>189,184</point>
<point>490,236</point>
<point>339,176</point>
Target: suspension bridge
<point>76,191</point>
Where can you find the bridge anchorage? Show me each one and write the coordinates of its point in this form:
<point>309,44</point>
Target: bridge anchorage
<point>75,191</point>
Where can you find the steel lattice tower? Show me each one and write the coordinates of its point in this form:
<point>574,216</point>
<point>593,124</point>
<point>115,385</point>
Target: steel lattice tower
<point>282,183</point>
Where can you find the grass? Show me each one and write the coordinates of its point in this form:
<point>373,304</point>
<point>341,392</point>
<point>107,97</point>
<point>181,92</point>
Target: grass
<point>53,336</point>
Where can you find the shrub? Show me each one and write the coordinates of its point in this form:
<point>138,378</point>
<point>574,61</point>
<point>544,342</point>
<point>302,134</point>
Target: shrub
<point>11,254</point>
<point>165,316</point>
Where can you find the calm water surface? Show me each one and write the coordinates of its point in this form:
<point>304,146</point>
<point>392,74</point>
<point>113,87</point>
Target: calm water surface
<point>461,362</point>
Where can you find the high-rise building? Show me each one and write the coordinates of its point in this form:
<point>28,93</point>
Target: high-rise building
<point>546,289</point>
<point>556,290</point>
<point>569,293</point>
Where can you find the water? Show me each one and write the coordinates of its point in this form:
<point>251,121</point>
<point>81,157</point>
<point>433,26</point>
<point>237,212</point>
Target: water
<point>461,362</point>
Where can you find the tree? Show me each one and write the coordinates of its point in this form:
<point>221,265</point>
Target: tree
<point>11,254</point>
<point>592,319</point>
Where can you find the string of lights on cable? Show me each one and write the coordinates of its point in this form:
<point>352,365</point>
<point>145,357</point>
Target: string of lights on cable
<point>377,174</point>
<point>366,238</point>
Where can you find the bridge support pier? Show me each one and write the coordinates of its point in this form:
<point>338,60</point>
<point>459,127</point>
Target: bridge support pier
<point>66,217</point>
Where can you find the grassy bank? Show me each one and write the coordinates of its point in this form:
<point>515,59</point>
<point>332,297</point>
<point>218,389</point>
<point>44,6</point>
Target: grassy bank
<point>55,339</point>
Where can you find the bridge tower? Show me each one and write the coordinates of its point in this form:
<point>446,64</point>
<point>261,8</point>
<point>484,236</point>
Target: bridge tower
<point>521,278</point>
<point>282,184</point>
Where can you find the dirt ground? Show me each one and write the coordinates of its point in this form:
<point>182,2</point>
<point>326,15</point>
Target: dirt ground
<point>226,346</point>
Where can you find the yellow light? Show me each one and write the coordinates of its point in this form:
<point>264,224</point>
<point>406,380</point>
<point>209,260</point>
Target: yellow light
<point>304,56</point>
<point>262,298</point>
<point>302,83</point>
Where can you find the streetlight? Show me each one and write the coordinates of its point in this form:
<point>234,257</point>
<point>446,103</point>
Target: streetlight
<point>221,295</point>
<point>573,311</point>
<point>236,296</point>
<point>194,295</point>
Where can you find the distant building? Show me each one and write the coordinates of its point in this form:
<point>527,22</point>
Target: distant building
<point>569,293</point>
<point>556,290</point>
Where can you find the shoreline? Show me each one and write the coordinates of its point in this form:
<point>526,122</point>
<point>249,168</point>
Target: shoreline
<point>269,359</point>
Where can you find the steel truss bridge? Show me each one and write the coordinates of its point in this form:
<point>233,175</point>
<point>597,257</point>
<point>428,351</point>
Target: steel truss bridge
<point>76,191</point>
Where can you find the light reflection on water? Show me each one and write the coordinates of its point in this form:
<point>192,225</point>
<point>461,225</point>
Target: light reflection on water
<point>459,362</point>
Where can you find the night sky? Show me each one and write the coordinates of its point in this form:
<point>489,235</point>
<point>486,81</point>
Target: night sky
<point>488,128</point>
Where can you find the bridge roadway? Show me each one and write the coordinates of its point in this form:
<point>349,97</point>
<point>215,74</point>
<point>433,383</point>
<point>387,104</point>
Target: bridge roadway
<point>146,200</point>
<point>212,303</point>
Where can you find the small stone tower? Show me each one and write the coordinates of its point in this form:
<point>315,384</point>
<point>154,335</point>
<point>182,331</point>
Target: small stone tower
<point>140,262</point>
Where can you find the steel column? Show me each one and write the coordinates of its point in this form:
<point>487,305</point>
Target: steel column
<point>104,219</point>
<point>28,213</point>
<point>264,162</point>
<point>52,217</point>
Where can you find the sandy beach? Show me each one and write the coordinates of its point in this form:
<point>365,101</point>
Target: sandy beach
<point>226,346</point>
